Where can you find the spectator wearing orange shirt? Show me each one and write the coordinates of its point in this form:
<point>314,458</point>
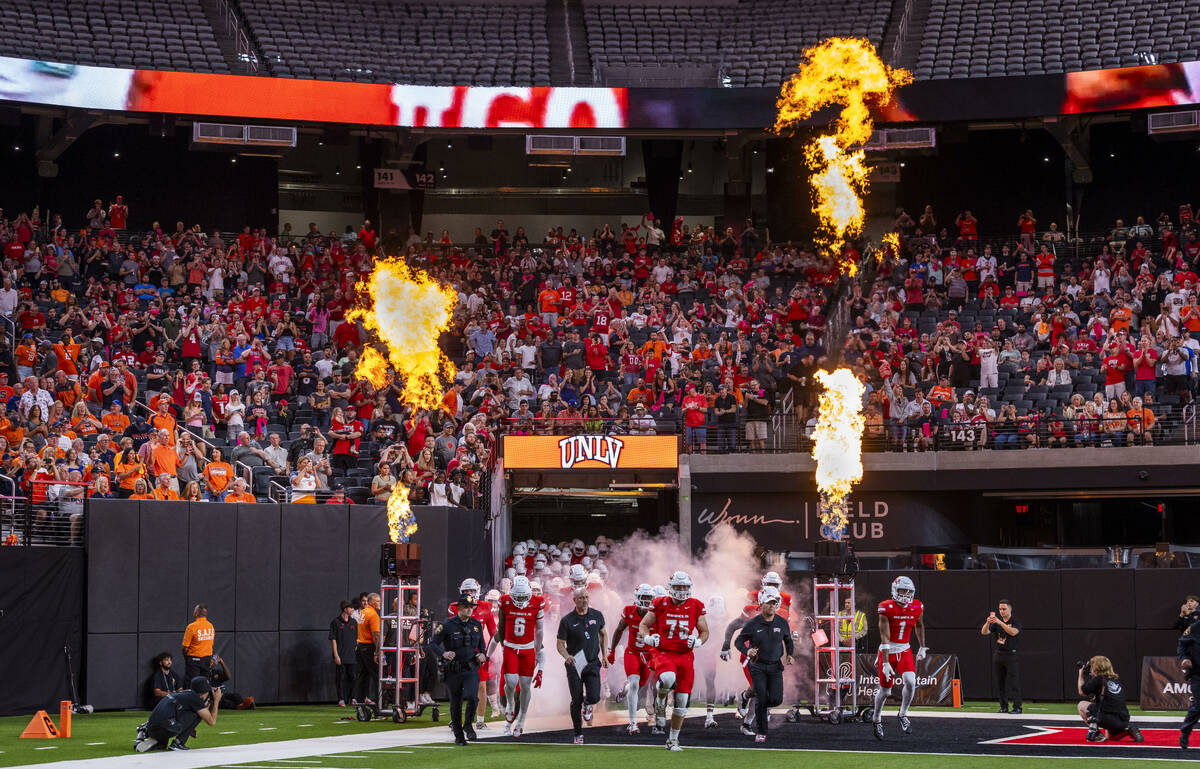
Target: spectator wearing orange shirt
<point>549,302</point>
<point>163,491</point>
<point>141,490</point>
<point>239,493</point>
<point>1140,421</point>
<point>25,356</point>
<point>640,394</point>
<point>164,459</point>
<point>217,475</point>
<point>114,419</point>
<point>163,419</point>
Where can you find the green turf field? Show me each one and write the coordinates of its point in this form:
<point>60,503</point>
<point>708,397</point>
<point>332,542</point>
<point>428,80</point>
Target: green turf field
<point>111,734</point>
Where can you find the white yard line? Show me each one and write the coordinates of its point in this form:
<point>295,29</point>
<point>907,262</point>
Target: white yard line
<point>263,751</point>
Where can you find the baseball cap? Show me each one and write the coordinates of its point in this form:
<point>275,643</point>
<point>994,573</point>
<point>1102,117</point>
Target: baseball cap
<point>201,685</point>
<point>339,487</point>
<point>466,599</point>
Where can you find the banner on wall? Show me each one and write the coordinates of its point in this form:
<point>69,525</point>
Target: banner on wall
<point>325,101</point>
<point>784,521</point>
<point>591,452</point>
<point>935,677</point>
<point>1164,686</point>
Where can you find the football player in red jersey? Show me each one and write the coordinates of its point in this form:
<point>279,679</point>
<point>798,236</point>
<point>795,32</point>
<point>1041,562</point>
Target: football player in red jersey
<point>637,654</point>
<point>519,631</point>
<point>745,700</point>
<point>483,613</point>
<point>899,618</point>
<point>674,626</point>
<point>772,579</point>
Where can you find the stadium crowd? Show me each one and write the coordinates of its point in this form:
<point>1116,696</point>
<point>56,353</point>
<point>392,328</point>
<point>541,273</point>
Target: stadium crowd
<point>174,363</point>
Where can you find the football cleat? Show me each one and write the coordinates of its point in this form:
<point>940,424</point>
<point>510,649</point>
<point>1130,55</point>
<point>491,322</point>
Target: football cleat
<point>746,730</point>
<point>710,722</point>
<point>145,744</point>
<point>632,729</point>
<point>905,725</point>
<point>579,739</point>
<point>508,729</point>
<point>509,716</point>
<point>743,702</point>
<point>588,711</point>
<point>673,745</point>
<point>518,729</point>
<point>879,730</point>
<point>760,738</point>
<point>481,724</point>
<point>657,730</point>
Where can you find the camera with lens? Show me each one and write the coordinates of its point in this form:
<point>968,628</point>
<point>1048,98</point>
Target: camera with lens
<point>1085,666</point>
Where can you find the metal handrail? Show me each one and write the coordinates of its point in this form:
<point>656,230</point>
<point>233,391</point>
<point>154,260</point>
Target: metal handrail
<point>278,493</point>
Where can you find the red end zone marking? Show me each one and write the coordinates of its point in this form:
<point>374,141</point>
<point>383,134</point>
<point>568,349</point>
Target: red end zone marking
<point>1077,735</point>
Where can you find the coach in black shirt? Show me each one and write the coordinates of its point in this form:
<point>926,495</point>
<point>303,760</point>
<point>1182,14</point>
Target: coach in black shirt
<point>583,644</point>
<point>767,641</point>
<point>1005,630</point>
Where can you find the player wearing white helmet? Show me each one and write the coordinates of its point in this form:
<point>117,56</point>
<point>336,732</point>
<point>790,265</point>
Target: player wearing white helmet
<point>578,576</point>
<point>659,591</point>
<point>715,609</point>
<point>492,596</point>
<point>593,552</point>
<point>674,626</point>
<point>483,613</point>
<point>586,562</point>
<point>519,631</point>
<point>536,586</point>
<point>899,618</point>
<point>772,579</point>
<point>637,657</point>
<point>578,551</point>
<point>505,585</point>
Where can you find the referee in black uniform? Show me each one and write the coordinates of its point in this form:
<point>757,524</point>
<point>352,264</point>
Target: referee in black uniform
<point>767,641</point>
<point>459,644</point>
<point>583,645</point>
<point>1005,630</point>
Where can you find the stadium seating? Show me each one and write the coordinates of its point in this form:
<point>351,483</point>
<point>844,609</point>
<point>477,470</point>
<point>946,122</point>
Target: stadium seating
<point>974,38</point>
<point>125,33</point>
<point>752,42</point>
<point>426,43</point>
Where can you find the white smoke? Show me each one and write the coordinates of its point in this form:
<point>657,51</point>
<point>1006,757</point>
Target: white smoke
<point>728,568</point>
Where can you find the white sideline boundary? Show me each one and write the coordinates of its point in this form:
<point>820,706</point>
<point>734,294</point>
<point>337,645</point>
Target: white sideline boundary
<point>436,738</point>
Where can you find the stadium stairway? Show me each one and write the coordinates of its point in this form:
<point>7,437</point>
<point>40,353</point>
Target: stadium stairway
<point>908,48</point>
<point>226,44</point>
<point>564,20</point>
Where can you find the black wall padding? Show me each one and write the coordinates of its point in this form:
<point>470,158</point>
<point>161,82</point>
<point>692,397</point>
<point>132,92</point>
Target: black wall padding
<point>1035,596</point>
<point>41,600</point>
<point>1100,599</point>
<point>257,671</point>
<point>258,567</point>
<point>163,567</point>
<point>113,539</point>
<point>313,556</point>
<point>212,558</point>
<point>271,576</point>
<point>305,664</point>
<point>113,672</point>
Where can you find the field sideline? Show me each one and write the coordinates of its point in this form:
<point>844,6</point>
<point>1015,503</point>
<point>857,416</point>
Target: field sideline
<point>295,732</point>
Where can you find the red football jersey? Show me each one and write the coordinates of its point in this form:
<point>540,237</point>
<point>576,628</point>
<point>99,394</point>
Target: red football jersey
<point>483,613</point>
<point>633,618</point>
<point>520,625</point>
<point>901,619</point>
<point>749,610</point>
<point>675,622</point>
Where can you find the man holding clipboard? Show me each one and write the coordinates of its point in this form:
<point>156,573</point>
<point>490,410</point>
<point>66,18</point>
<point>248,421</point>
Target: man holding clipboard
<point>583,645</point>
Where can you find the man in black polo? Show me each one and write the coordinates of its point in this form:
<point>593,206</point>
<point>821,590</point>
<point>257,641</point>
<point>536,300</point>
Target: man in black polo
<point>166,680</point>
<point>1005,630</point>
<point>176,716</point>
<point>343,637</point>
<point>766,640</point>
<point>583,645</point>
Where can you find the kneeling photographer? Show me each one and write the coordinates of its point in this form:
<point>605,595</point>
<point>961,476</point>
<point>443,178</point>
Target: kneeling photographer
<point>1105,709</point>
<point>176,716</point>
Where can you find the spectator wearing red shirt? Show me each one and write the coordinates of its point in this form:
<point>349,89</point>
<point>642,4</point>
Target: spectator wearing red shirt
<point>968,226</point>
<point>118,214</point>
<point>596,353</point>
<point>367,236</point>
<point>1145,366</point>
<point>346,431</point>
<point>1115,364</point>
<point>695,416</point>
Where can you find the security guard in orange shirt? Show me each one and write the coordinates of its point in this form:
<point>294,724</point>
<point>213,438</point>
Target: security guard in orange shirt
<point>198,643</point>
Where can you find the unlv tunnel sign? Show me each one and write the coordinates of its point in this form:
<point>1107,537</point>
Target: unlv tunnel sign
<point>591,452</point>
<point>783,521</point>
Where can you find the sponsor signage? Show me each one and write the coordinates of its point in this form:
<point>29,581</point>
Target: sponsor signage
<point>1164,686</point>
<point>325,101</point>
<point>591,452</point>
<point>789,521</point>
<point>935,676</point>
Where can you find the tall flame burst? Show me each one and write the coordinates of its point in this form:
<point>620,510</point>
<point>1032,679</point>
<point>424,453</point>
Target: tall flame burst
<point>837,444</point>
<point>408,311</point>
<point>845,71</point>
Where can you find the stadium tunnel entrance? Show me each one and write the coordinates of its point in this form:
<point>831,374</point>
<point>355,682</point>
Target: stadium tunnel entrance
<point>565,487</point>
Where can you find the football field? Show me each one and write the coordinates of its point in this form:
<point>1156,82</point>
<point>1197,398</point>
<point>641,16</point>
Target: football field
<point>324,737</point>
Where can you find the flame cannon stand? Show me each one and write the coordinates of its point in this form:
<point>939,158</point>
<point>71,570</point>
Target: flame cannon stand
<point>398,695</point>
